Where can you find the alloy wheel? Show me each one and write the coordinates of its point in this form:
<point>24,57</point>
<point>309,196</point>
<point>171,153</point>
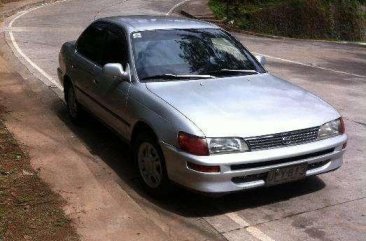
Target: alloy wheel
<point>149,164</point>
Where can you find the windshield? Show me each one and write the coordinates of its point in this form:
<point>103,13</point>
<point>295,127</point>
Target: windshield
<point>190,52</point>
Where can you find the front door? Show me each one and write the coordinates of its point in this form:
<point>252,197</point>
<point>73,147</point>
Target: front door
<point>109,92</point>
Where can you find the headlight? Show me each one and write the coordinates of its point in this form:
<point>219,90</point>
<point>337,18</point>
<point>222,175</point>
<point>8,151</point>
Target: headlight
<point>330,129</point>
<point>226,145</point>
<point>202,146</point>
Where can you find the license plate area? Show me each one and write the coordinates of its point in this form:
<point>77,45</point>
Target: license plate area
<point>286,174</point>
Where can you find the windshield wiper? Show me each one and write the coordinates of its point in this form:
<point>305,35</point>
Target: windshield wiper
<point>179,76</point>
<point>251,71</point>
<point>244,71</point>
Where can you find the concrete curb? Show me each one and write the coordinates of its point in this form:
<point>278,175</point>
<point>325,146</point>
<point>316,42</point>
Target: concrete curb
<point>13,11</point>
<point>236,30</point>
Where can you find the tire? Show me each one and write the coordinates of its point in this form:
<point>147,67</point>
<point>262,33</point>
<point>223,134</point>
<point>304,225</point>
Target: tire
<point>150,164</point>
<point>73,107</point>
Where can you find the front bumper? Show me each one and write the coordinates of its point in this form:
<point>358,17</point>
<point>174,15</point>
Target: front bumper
<point>248,170</point>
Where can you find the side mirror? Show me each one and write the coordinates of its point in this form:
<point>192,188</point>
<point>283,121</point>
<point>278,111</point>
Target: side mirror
<point>261,59</point>
<point>115,71</point>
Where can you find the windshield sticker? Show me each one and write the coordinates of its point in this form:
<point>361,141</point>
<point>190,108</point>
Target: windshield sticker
<point>137,35</point>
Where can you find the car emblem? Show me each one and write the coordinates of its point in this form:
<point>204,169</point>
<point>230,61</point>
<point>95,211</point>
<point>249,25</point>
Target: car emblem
<point>286,140</point>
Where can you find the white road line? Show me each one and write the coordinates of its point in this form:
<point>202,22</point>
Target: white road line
<point>34,65</point>
<point>176,6</point>
<point>255,232</point>
<point>237,219</point>
<point>24,56</point>
<point>258,234</point>
<point>312,66</point>
<point>40,29</point>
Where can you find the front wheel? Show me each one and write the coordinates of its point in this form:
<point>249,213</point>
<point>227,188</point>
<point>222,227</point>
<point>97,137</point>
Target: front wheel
<point>151,165</point>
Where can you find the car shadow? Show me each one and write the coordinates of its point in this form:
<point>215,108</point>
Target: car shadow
<point>105,144</point>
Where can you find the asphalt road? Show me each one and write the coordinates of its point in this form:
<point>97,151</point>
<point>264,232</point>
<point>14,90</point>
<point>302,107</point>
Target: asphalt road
<point>328,207</point>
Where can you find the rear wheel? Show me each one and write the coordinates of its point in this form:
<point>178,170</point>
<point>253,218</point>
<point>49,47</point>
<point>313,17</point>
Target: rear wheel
<point>151,165</point>
<point>73,106</point>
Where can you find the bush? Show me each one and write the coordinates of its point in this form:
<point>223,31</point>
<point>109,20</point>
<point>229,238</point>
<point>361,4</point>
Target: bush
<point>318,19</point>
<point>349,20</point>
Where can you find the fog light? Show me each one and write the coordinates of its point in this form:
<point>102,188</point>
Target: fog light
<point>202,168</point>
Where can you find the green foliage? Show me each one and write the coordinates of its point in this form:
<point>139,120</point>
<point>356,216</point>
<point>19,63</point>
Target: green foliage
<point>318,19</point>
<point>217,8</point>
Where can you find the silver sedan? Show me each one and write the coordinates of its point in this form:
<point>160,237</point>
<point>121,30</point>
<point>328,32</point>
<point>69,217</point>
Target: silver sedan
<point>197,108</point>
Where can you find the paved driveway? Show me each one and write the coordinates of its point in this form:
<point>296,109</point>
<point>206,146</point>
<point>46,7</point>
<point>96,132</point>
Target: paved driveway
<point>329,207</point>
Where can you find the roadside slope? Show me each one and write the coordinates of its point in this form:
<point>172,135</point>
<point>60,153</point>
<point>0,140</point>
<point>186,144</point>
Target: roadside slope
<point>74,161</point>
<point>75,173</point>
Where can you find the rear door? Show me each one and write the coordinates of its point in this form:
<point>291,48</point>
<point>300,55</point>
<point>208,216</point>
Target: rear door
<point>109,92</point>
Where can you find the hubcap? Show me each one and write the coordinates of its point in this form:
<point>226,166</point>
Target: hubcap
<point>149,165</point>
<point>73,107</point>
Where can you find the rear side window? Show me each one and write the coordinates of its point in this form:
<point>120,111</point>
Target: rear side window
<point>115,50</point>
<point>91,43</point>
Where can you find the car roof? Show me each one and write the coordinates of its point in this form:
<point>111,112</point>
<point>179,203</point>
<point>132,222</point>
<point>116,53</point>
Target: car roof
<point>135,23</point>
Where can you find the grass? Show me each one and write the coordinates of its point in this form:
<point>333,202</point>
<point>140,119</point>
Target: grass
<point>29,210</point>
<point>316,19</point>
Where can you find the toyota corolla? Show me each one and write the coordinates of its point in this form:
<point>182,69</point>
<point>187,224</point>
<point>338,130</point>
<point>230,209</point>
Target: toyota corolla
<point>197,108</point>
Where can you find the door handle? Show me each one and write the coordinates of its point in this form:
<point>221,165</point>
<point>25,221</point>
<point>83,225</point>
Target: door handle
<point>95,81</point>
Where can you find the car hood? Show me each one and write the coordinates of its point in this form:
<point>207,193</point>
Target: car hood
<point>244,106</point>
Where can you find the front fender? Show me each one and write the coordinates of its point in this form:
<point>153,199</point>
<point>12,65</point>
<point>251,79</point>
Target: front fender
<point>164,120</point>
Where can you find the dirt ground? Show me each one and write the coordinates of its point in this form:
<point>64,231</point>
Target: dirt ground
<point>8,1</point>
<point>29,210</point>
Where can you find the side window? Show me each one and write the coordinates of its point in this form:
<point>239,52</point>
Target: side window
<point>116,50</point>
<point>91,43</point>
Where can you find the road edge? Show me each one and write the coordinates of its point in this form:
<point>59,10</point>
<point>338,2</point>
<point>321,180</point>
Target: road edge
<point>31,67</point>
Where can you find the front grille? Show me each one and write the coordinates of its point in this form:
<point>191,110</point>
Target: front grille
<point>237,167</point>
<point>283,139</point>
